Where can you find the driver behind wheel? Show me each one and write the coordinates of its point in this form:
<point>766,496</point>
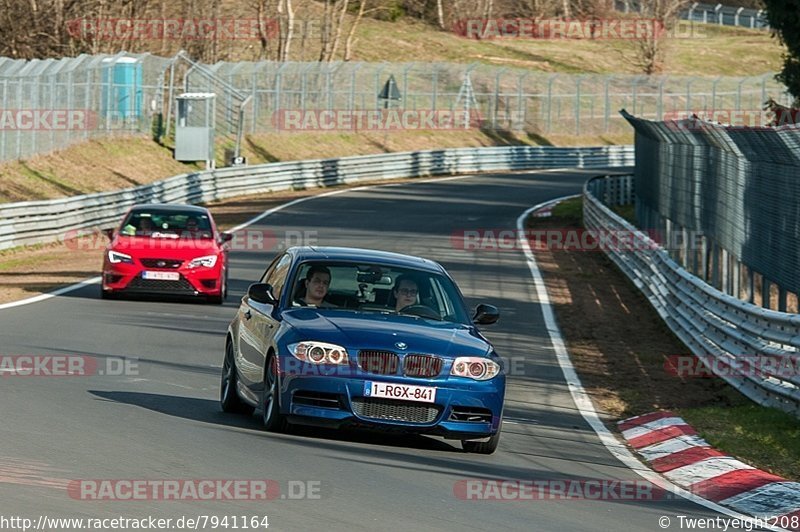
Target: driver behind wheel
<point>405,292</point>
<point>317,282</point>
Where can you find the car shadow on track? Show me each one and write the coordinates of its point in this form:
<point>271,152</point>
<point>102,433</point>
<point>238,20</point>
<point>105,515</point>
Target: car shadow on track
<point>208,411</point>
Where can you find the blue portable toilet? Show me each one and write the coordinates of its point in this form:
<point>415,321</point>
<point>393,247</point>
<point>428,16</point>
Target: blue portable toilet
<point>122,89</point>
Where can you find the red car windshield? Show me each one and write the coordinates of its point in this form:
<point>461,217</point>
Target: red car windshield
<point>157,223</point>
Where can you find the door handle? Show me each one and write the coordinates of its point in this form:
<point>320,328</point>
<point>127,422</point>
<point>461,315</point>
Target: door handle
<point>248,315</point>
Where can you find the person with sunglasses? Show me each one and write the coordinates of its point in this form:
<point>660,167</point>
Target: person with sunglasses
<point>405,292</point>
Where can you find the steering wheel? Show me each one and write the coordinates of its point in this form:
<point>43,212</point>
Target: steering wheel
<point>423,311</point>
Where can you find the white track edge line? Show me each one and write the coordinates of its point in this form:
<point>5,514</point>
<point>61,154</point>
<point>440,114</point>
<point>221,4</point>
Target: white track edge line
<point>582,400</point>
<point>95,280</point>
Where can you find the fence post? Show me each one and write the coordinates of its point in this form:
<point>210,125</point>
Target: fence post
<point>765,292</point>
<point>725,263</point>
<point>578,106</point>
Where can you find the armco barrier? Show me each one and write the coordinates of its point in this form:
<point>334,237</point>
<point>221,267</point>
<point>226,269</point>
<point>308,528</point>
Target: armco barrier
<point>36,222</point>
<point>714,325</point>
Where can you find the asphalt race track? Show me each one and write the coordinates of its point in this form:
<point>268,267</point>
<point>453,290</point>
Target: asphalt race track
<point>165,422</point>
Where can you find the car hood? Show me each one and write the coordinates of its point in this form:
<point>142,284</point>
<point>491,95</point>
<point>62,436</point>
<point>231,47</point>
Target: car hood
<point>357,330</point>
<point>167,247</point>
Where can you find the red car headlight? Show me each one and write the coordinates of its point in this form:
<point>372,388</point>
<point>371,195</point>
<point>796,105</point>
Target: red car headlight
<point>206,262</point>
<point>115,257</point>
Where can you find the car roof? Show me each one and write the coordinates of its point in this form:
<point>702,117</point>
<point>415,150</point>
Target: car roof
<point>169,207</point>
<point>387,258</point>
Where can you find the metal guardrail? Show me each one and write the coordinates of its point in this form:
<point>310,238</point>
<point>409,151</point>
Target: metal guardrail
<point>716,327</point>
<point>710,14</point>
<point>37,222</point>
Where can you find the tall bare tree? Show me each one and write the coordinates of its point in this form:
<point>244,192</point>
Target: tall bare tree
<point>649,50</point>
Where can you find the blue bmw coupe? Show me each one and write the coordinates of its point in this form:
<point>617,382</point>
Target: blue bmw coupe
<point>345,337</point>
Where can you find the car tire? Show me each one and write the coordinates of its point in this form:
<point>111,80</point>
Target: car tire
<point>229,400</point>
<point>223,292</point>
<point>271,415</point>
<point>107,294</point>
<point>483,447</point>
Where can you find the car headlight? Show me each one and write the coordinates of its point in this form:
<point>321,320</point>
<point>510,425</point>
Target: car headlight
<point>319,353</point>
<point>208,261</point>
<point>115,257</point>
<point>477,368</point>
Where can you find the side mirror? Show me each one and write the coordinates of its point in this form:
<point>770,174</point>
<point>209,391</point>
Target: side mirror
<point>226,237</point>
<point>109,233</point>
<point>262,293</point>
<point>485,314</point>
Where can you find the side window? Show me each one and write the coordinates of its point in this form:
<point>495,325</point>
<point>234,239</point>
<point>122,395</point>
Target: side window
<point>277,277</point>
<point>271,268</point>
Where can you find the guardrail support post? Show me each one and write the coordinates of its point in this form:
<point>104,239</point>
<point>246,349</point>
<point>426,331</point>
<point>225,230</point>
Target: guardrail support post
<point>726,262</point>
<point>687,248</point>
<point>782,294</point>
<point>765,299</point>
<point>751,285</point>
<point>704,258</point>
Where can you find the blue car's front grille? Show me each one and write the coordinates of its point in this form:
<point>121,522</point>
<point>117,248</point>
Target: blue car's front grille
<point>422,366</point>
<point>387,409</point>
<point>378,362</point>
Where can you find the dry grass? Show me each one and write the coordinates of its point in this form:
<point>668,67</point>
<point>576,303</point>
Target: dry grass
<point>113,164</point>
<point>93,166</point>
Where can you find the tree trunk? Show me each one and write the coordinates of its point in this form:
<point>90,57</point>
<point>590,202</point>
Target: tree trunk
<point>325,32</point>
<point>348,45</point>
<point>287,40</point>
<point>339,24</point>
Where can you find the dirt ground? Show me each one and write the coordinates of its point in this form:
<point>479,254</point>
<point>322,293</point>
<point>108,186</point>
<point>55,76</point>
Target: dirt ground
<point>616,340</point>
<point>620,347</point>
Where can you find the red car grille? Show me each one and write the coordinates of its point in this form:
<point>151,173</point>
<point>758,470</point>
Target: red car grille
<point>161,263</point>
<point>380,362</point>
<point>422,365</point>
<point>179,286</point>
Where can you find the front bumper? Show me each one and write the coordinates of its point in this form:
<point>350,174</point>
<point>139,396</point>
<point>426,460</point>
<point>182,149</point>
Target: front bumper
<point>463,408</point>
<point>123,277</point>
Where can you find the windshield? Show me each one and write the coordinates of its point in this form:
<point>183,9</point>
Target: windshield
<point>161,223</point>
<point>379,289</point>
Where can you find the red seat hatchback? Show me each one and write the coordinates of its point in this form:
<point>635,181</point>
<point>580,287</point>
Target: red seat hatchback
<point>167,249</point>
